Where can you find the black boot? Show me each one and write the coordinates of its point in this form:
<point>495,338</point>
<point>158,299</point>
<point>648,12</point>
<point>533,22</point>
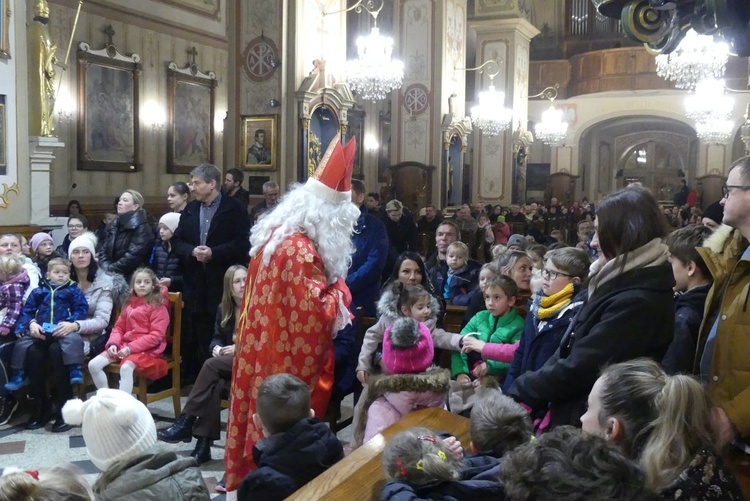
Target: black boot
<point>40,416</point>
<point>60,425</point>
<point>202,451</point>
<point>180,431</point>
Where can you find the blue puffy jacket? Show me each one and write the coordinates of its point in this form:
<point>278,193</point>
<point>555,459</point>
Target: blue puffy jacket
<point>53,304</point>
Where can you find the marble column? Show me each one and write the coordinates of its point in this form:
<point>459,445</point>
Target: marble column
<point>41,157</point>
<point>505,40</point>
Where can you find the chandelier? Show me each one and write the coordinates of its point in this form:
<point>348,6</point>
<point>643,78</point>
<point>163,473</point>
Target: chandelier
<point>714,130</point>
<point>552,129</point>
<point>697,58</point>
<point>491,115</point>
<point>374,74</point>
<point>661,24</point>
<point>709,102</point>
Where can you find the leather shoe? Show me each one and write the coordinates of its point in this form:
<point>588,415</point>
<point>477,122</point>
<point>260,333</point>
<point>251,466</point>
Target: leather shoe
<point>180,431</point>
<point>40,416</point>
<point>60,425</point>
<point>202,451</point>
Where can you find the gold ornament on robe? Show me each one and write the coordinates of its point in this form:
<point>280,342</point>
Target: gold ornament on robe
<point>42,62</point>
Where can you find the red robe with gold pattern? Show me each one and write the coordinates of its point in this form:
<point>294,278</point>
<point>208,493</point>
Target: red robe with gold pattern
<point>286,325</point>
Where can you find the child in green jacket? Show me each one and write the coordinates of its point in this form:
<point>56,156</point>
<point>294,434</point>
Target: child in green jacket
<point>499,324</point>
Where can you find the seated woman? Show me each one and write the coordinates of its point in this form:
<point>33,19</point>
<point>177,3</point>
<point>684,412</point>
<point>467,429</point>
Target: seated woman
<point>129,239</point>
<point>201,417</point>
<point>103,292</point>
<point>629,312</point>
<point>663,423</point>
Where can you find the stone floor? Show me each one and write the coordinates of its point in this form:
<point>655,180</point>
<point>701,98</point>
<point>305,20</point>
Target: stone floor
<point>38,449</point>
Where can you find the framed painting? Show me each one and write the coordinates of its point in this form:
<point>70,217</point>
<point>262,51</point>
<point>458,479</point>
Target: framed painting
<point>5,29</point>
<point>190,131</point>
<point>3,138</point>
<point>108,84</point>
<point>207,8</point>
<point>258,142</point>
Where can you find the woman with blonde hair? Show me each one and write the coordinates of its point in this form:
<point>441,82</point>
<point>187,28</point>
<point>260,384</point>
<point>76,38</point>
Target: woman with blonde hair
<point>662,422</point>
<point>129,238</point>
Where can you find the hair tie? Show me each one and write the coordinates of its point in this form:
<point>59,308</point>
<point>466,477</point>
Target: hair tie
<point>426,438</point>
<point>441,455</point>
<point>401,467</point>
<point>34,474</point>
<point>419,465</point>
<point>533,438</point>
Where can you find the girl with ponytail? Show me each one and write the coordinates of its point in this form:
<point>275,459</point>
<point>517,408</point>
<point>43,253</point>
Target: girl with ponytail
<point>663,423</point>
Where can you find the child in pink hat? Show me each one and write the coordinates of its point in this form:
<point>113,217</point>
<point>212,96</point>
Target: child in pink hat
<point>411,382</point>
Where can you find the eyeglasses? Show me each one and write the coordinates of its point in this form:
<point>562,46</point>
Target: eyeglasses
<point>75,226</point>
<point>725,189</point>
<point>552,275</point>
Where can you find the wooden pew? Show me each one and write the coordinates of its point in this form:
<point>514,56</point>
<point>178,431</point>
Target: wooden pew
<point>360,475</point>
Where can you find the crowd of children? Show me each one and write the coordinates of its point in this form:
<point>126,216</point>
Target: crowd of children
<point>520,305</point>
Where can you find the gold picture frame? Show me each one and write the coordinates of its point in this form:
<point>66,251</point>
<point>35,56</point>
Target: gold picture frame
<point>108,124</point>
<point>258,149</point>
<point>190,132</point>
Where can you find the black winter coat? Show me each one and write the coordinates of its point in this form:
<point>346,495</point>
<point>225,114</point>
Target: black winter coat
<point>228,238</point>
<point>628,317</point>
<point>287,461</point>
<point>167,264</point>
<point>127,244</point>
<point>479,481</point>
<point>688,315</point>
<point>223,336</point>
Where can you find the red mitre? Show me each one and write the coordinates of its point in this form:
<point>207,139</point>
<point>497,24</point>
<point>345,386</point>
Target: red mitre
<point>332,179</point>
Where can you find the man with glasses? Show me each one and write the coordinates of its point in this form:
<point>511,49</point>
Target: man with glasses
<point>723,355</point>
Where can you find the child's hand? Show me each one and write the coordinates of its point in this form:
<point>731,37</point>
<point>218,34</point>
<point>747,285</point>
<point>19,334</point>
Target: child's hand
<point>165,282</point>
<point>455,448</point>
<point>362,376</point>
<point>472,344</point>
<point>112,350</point>
<point>123,352</point>
<point>480,370</point>
<point>36,331</point>
<point>463,380</point>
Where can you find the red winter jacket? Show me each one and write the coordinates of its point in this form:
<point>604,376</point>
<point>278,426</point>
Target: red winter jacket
<point>142,327</point>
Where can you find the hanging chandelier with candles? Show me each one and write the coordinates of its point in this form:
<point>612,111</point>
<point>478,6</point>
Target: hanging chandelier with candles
<point>490,114</point>
<point>709,102</point>
<point>553,128</point>
<point>697,58</point>
<point>711,109</point>
<point>375,73</point>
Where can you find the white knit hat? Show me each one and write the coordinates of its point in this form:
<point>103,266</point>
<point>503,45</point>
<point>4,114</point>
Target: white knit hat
<point>170,220</point>
<point>86,240</point>
<point>116,426</point>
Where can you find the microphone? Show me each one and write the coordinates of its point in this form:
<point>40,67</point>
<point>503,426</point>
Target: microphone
<point>72,187</point>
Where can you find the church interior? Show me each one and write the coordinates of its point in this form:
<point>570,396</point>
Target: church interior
<point>462,102</point>
<point>198,78</point>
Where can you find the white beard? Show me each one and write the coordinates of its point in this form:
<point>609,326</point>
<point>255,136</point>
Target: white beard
<point>327,224</point>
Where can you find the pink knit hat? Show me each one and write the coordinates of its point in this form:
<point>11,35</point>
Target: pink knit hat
<point>407,347</point>
<point>38,238</point>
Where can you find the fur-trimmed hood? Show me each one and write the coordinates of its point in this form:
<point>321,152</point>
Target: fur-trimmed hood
<point>113,282</point>
<point>434,380</point>
<point>388,309</point>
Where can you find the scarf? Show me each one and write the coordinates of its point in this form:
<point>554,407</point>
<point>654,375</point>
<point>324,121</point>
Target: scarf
<point>654,253</point>
<point>545,307</point>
